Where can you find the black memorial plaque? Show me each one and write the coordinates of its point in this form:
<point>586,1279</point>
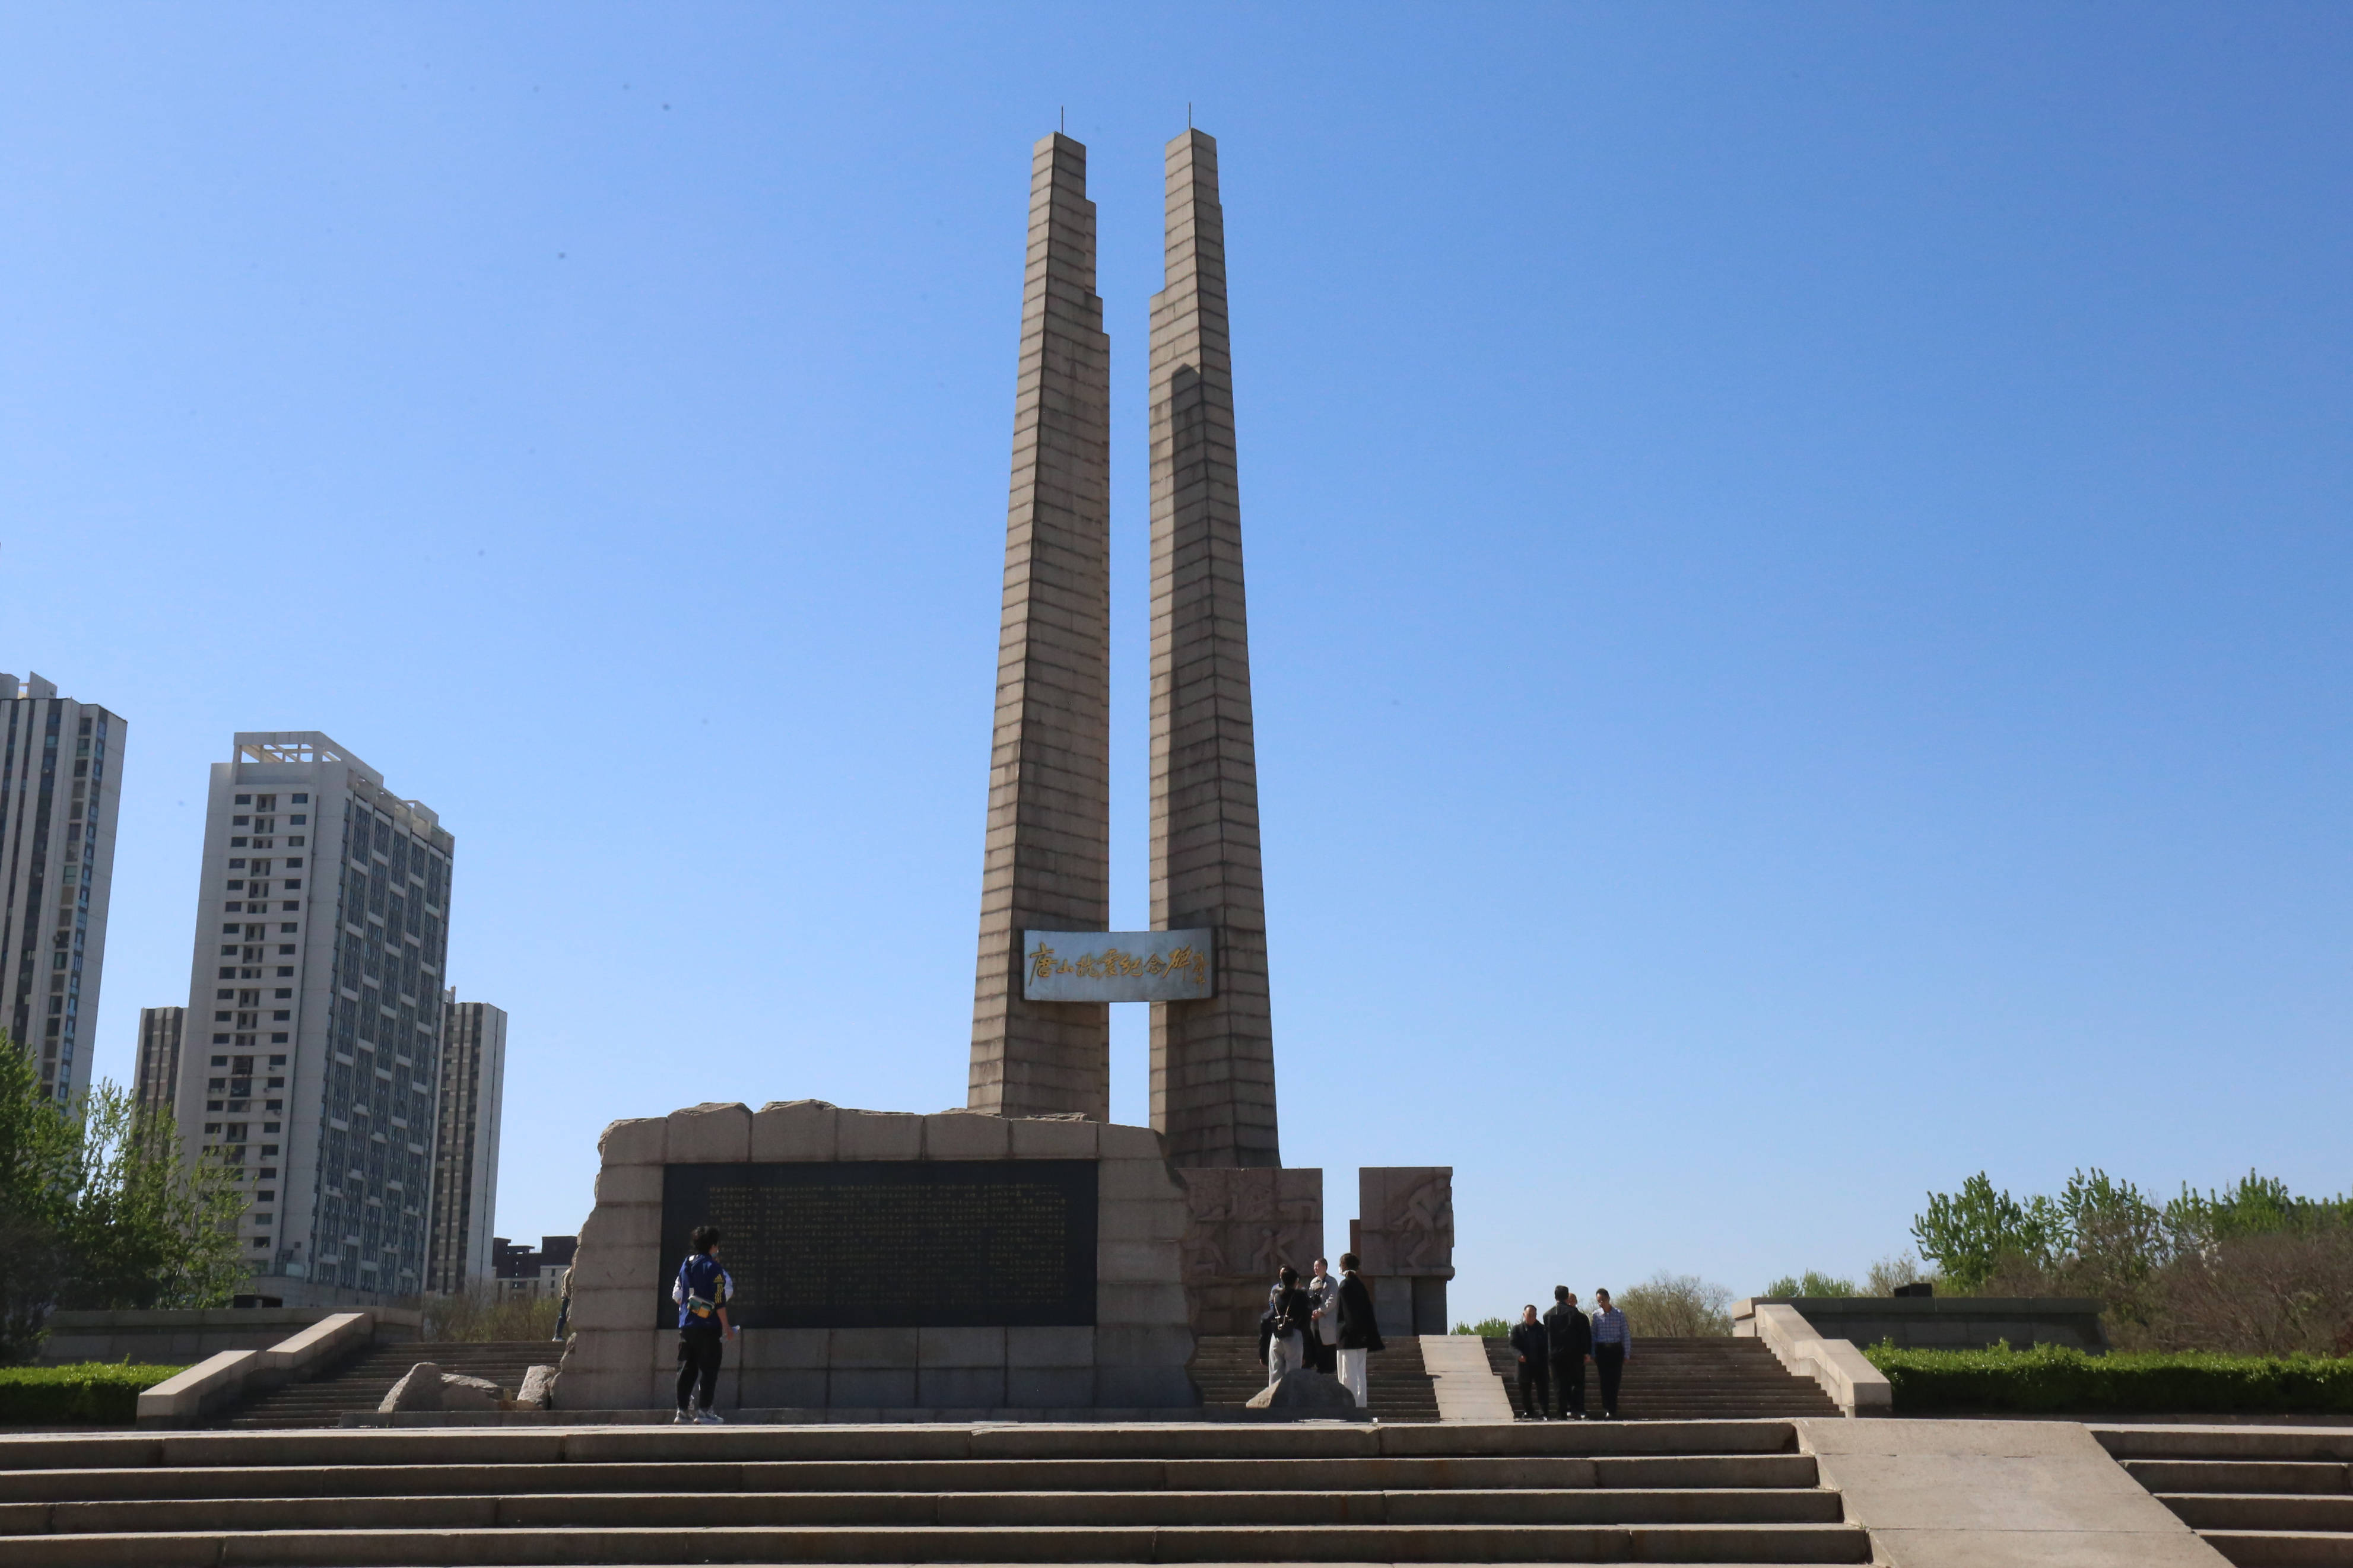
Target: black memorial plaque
<point>891,1242</point>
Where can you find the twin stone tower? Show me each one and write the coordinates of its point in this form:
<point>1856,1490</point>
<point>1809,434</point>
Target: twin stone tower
<point>1037,1255</point>
<point>1047,864</point>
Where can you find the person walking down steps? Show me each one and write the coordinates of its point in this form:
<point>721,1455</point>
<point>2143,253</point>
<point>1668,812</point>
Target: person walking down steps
<point>1613,1347</point>
<point>702,1291</point>
<point>1571,1341</point>
<point>1533,1347</point>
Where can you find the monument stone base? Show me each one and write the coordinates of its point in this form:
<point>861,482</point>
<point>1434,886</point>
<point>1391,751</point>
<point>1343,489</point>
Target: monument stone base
<point>1053,1305</point>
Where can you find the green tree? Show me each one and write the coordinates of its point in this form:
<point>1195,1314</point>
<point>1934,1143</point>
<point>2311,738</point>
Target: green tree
<point>1970,1233</point>
<point>36,1160</point>
<point>97,1209</point>
<point>1812,1282</point>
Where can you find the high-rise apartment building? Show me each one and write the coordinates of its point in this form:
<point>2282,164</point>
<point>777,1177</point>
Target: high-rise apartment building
<point>466,1143</point>
<point>60,782</point>
<point>159,1031</point>
<point>314,1015</point>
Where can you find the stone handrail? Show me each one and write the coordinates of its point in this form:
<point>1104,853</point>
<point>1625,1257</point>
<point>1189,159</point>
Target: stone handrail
<point>1858,1387</point>
<point>232,1376</point>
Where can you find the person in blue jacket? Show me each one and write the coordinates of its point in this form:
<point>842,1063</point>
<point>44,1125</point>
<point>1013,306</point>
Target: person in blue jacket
<point>700,1292</point>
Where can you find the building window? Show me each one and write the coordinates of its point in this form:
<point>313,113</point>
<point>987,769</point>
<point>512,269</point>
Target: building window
<point>245,800</point>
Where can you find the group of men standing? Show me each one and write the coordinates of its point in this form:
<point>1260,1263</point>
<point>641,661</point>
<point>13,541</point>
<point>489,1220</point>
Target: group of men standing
<point>1553,1352</point>
<point>1323,1323</point>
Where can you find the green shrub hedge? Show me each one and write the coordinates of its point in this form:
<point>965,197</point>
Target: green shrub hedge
<point>2052,1378</point>
<point>98,1391</point>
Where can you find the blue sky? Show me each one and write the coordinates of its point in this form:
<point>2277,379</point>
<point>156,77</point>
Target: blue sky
<point>1798,556</point>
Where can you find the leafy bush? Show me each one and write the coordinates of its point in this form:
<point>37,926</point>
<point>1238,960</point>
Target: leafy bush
<point>484,1313</point>
<point>1676,1306</point>
<point>1812,1282</point>
<point>2052,1378</point>
<point>102,1392</point>
<point>1889,1272</point>
<point>1486,1328</point>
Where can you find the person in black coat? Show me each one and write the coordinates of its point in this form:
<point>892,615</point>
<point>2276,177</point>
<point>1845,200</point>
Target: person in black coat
<point>1570,1339</point>
<point>1530,1344</point>
<point>1360,1334</point>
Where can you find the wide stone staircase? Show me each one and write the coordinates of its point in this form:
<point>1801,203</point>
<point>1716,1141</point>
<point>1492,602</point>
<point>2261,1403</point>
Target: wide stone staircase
<point>1716,1378</point>
<point>1225,1368</point>
<point>1689,1493</point>
<point>2265,1497</point>
<point>361,1382</point>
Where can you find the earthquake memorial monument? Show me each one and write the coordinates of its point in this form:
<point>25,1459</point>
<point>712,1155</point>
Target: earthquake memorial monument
<point>1021,1252</point>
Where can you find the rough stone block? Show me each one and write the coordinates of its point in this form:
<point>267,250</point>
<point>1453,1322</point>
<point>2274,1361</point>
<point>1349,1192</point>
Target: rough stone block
<point>538,1388</point>
<point>623,1310</point>
<point>607,1390</point>
<point>622,1225</point>
<point>782,1388</point>
<point>1142,1344</point>
<point>639,1141</point>
<point>1127,1221</point>
<point>878,1135</point>
<point>960,1347</point>
<point>960,1387</point>
<point>1049,1387</point>
<point>609,1266</point>
<point>966,1135</point>
<point>870,1388</point>
<point>1050,1347</point>
<point>1137,1180</point>
<point>863,1348</point>
<point>1117,1142</point>
<point>1117,1302</point>
<point>1148,1387</point>
<point>710,1134</point>
<point>630,1185</point>
<point>774,1349</point>
<point>1040,1138</point>
<point>1137,1262</point>
<point>793,1130</point>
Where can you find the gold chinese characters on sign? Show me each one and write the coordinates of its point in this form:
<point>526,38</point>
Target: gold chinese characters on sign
<point>1116,966</point>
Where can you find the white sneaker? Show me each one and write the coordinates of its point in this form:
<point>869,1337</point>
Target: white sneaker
<point>681,1419</point>
<point>710,1418</point>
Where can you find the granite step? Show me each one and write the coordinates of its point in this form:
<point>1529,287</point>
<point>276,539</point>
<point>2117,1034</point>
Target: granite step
<point>2263,1496</point>
<point>1649,1472</point>
<point>404,1548</point>
<point>1687,1379</point>
<point>362,1382</point>
<point>682,1510</point>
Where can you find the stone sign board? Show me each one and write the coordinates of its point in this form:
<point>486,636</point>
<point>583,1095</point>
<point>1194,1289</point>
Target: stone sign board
<point>1117,965</point>
<point>893,1243</point>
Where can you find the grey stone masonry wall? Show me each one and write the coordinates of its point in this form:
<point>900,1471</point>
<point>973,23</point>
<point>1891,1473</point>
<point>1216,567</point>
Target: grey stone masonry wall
<point>1046,856</point>
<point>1242,1223</point>
<point>1944,1322</point>
<point>1212,1060</point>
<point>1132,1356</point>
<point>1404,1240</point>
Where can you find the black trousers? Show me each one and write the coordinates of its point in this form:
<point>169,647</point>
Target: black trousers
<point>1569,1383</point>
<point>1323,1358</point>
<point>1609,1362</point>
<point>699,1352</point>
<point>1535,1388</point>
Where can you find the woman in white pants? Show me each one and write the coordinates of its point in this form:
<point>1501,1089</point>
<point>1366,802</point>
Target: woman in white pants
<point>1286,1345</point>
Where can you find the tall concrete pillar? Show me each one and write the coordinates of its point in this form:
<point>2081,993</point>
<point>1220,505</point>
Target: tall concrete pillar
<point>1212,1060</point>
<point>1047,861</point>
